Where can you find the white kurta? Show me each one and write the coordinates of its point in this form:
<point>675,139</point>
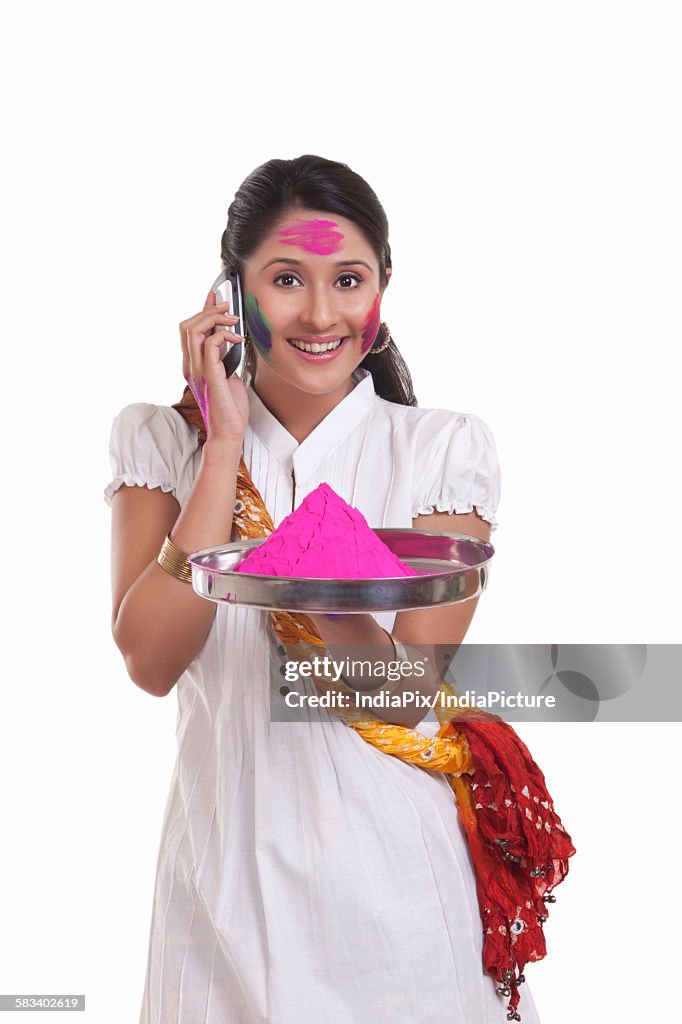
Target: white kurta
<point>303,876</point>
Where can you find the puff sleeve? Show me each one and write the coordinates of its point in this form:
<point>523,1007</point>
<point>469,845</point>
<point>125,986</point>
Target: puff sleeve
<point>458,468</point>
<point>152,446</point>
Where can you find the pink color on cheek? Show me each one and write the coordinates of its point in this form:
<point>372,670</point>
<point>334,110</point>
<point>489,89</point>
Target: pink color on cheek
<point>200,392</point>
<point>316,236</point>
<point>371,326</point>
<point>325,538</point>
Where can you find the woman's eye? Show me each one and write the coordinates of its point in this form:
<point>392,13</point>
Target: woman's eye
<point>281,277</point>
<point>350,277</point>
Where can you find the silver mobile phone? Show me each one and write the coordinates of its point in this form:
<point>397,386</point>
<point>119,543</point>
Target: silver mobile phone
<point>227,288</point>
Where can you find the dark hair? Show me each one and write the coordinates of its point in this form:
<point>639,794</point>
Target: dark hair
<point>314,183</point>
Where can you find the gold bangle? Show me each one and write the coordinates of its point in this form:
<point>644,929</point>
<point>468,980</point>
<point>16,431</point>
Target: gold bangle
<point>398,647</point>
<point>393,685</point>
<point>175,561</point>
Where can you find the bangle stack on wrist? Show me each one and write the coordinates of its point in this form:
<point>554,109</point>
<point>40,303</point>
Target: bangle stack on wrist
<point>175,561</point>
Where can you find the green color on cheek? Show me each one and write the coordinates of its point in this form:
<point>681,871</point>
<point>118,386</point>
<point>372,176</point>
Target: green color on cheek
<point>259,326</point>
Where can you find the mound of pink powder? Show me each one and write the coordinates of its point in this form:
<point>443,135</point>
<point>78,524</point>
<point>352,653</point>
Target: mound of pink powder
<point>325,538</point>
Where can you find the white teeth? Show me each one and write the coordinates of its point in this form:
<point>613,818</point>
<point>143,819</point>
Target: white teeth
<point>315,347</point>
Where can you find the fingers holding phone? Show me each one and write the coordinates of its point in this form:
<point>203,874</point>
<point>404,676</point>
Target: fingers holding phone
<point>223,401</point>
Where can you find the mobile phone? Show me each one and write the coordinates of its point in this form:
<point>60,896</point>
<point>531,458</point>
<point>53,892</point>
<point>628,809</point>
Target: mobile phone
<point>227,288</point>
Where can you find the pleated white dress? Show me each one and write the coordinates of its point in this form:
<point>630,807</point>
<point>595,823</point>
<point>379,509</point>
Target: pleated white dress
<point>303,876</point>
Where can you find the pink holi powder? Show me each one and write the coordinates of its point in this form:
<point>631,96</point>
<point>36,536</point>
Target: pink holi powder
<point>371,326</point>
<point>200,392</point>
<point>316,236</point>
<point>325,538</point>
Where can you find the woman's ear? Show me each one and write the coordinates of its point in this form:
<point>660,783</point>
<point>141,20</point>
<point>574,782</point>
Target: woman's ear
<point>388,278</point>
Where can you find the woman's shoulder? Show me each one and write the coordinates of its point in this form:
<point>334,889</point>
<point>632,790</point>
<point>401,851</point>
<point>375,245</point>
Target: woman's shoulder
<point>141,416</point>
<point>152,445</point>
<point>432,422</point>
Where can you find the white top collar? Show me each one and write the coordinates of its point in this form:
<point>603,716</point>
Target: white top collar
<point>336,425</point>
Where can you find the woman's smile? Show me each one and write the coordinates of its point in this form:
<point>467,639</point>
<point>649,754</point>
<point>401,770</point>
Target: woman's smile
<point>318,351</point>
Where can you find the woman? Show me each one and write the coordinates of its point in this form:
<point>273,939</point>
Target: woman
<point>303,874</point>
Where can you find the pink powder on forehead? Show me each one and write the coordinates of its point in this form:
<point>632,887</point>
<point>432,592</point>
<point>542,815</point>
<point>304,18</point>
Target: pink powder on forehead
<point>325,538</point>
<point>318,236</point>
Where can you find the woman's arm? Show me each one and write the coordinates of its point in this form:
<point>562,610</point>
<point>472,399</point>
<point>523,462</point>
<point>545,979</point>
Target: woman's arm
<point>449,624</point>
<point>419,630</point>
<point>358,637</point>
<point>158,622</point>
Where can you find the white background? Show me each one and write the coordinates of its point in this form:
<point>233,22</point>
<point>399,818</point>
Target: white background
<point>528,158</point>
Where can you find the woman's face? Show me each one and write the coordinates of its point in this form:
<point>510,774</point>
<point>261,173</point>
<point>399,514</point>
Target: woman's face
<point>313,280</point>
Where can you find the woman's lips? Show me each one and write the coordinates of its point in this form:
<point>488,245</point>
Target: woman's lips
<point>318,357</point>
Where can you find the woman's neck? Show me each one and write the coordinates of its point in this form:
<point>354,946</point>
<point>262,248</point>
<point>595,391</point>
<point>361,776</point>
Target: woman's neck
<point>298,411</point>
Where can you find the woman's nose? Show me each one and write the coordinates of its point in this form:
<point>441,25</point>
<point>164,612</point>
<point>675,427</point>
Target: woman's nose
<point>319,309</point>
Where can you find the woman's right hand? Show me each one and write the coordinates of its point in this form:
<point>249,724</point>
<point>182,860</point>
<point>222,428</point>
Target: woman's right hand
<point>223,401</point>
